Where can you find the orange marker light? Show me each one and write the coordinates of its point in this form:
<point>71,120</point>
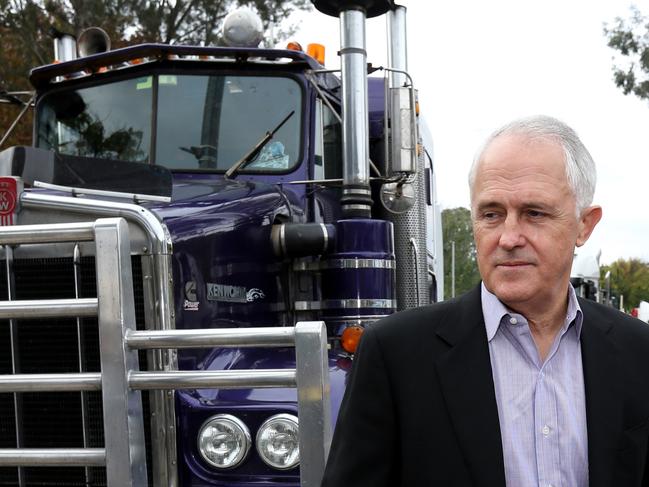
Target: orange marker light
<point>317,52</point>
<point>294,46</point>
<point>350,338</point>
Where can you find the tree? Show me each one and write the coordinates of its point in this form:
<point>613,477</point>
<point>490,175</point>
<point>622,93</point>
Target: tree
<point>630,278</point>
<point>457,227</point>
<point>630,37</point>
<point>25,27</point>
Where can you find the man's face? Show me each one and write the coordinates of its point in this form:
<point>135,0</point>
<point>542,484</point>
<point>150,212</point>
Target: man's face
<point>524,222</point>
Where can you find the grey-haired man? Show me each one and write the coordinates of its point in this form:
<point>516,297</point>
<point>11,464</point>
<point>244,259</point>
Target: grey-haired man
<point>518,382</point>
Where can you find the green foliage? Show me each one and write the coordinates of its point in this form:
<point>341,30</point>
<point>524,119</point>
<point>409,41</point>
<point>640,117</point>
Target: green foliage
<point>630,38</point>
<point>629,277</point>
<point>457,227</point>
<point>25,27</point>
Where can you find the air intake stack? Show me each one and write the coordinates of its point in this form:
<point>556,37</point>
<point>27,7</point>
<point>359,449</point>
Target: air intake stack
<point>356,199</point>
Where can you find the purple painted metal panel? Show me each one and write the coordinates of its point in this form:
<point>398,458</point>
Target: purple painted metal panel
<point>360,239</point>
<point>376,106</point>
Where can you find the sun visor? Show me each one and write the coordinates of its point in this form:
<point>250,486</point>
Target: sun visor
<point>33,164</point>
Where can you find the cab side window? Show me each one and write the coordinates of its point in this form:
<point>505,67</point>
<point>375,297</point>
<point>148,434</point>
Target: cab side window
<point>328,154</point>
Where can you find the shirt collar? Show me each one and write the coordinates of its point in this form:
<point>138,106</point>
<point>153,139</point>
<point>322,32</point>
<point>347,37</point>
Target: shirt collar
<point>493,311</point>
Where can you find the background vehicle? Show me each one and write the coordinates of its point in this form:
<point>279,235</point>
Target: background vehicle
<point>245,177</point>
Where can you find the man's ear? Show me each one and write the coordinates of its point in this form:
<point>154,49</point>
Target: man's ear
<point>590,217</point>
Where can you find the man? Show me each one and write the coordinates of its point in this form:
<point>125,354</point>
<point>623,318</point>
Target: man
<point>517,383</point>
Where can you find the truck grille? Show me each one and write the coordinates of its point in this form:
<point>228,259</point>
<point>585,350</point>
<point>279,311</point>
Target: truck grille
<point>55,420</point>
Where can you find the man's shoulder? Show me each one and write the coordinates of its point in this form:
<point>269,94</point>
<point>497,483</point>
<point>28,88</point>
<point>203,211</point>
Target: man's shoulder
<point>620,324</point>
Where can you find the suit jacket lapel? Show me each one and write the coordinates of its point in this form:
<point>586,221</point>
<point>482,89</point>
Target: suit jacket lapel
<point>600,358</point>
<point>467,384</point>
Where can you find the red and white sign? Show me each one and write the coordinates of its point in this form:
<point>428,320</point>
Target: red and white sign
<point>10,189</point>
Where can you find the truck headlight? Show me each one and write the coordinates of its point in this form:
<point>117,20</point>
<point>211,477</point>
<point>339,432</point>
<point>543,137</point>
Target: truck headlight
<point>224,441</point>
<point>278,441</point>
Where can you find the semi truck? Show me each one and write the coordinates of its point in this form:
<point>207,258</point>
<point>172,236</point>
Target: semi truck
<point>231,189</point>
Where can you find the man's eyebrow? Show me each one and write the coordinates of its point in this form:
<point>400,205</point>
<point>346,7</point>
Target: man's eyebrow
<point>529,204</point>
<point>488,204</point>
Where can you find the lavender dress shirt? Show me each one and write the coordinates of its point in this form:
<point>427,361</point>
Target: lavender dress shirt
<point>541,405</point>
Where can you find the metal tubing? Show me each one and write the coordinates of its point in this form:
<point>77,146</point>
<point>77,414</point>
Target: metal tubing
<point>48,308</point>
<point>83,399</point>
<point>123,417</point>
<point>15,357</point>
<point>160,239</point>
<point>58,232</point>
<point>231,338</point>
<point>88,381</point>
<point>353,59</point>
<point>213,379</point>
<point>397,45</point>
<point>313,394</point>
<point>53,457</point>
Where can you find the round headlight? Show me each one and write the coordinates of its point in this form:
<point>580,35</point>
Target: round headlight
<point>224,441</point>
<point>278,441</point>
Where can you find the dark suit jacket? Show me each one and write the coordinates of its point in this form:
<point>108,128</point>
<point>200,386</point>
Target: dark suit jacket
<point>420,408</point>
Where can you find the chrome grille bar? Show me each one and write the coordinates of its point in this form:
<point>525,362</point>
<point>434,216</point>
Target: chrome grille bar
<point>48,308</point>
<point>53,457</point>
<point>89,381</point>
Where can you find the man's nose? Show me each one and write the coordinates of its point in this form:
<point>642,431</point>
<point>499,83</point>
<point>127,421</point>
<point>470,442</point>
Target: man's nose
<point>512,234</point>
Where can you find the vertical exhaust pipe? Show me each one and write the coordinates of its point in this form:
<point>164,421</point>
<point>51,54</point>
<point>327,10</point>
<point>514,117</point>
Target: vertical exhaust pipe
<point>65,46</point>
<point>356,200</point>
<point>397,45</point>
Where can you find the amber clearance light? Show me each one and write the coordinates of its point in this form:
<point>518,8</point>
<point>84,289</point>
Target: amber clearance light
<point>317,52</point>
<point>350,338</point>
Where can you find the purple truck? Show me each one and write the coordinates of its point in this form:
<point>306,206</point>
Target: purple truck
<point>259,190</point>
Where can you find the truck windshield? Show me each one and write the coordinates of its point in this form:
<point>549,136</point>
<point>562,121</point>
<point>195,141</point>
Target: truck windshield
<point>201,122</point>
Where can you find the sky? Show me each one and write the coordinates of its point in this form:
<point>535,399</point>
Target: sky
<point>479,64</point>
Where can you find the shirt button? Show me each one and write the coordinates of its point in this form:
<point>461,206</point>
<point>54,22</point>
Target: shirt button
<point>513,320</point>
<point>546,431</point>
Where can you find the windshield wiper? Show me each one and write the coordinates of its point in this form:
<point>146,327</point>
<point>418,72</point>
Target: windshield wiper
<point>255,150</point>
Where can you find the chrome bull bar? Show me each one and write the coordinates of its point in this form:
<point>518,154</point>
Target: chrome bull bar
<point>121,381</point>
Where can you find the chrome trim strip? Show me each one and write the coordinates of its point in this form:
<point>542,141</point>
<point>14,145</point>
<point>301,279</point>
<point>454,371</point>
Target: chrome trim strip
<point>357,191</point>
<point>345,264</point>
<point>325,237</point>
<point>99,192</point>
<point>360,320</point>
<point>345,304</point>
<point>415,252</point>
<point>282,238</point>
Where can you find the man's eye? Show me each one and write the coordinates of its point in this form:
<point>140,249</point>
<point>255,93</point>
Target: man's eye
<point>490,215</point>
<point>535,213</point>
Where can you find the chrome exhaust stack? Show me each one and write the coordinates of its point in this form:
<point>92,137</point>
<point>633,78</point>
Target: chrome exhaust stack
<point>65,46</point>
<point>356,200</point>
